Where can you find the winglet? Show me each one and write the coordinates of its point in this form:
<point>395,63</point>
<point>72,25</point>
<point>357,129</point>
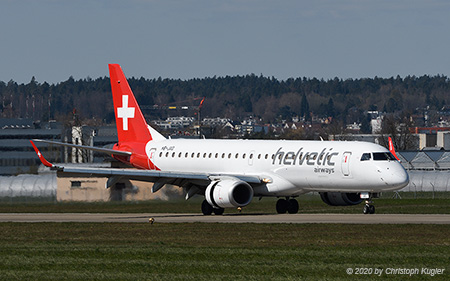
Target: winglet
<point>392,149</point>
<point>39,154</point>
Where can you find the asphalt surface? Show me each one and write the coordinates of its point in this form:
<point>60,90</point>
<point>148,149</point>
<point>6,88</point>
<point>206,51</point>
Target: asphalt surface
<point>229,218</point>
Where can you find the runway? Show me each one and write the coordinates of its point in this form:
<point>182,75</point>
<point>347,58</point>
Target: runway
<point>229,218</point>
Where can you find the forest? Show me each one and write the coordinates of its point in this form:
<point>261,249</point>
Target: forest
<point>234,97</point>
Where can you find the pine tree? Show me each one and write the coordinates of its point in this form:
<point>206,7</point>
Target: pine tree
<point>304,108</point>
<point>330,108</point>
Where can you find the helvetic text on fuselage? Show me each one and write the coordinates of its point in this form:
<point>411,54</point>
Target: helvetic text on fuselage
<point>324,158</point>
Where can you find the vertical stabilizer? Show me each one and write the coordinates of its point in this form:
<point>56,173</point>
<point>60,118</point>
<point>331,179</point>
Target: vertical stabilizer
<point>131,125</point>
<point>392,149</point>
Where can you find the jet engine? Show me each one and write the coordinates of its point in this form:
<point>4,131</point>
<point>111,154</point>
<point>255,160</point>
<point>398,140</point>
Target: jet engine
<point>340,198</point>
<point>229,193</point>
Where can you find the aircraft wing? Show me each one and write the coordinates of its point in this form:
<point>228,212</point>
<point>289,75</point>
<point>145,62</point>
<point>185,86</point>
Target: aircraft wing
<point>99,149</point>
<point>160,178</point>
<point>152,175</point>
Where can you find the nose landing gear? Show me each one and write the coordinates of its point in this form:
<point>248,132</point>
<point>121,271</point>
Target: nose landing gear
<point>368,207</point>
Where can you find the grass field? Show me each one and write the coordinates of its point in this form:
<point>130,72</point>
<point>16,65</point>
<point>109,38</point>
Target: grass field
<point>196,251</point>
<point>308,204</point>
<point>115,251</point>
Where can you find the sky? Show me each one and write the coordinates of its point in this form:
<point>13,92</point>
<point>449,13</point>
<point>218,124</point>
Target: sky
<point>183,39</point>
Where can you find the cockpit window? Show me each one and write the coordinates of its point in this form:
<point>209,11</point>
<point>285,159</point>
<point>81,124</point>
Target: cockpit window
<point>366,156</point>
<point>383,156</point>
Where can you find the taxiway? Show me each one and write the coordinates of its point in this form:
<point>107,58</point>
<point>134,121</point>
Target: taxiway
<point>229,218</point>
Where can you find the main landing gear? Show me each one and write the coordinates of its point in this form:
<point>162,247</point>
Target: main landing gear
<point>208,209</point>
<point>287,205</point>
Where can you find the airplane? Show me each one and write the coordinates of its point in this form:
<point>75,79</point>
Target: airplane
<point>230,173</point>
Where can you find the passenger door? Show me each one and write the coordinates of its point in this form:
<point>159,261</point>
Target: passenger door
<point>345,164</point>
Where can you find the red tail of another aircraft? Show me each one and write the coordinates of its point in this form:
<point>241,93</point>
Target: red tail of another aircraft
<point>392,149</point>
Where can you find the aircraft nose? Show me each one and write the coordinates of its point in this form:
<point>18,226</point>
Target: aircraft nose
<point>399,178</point>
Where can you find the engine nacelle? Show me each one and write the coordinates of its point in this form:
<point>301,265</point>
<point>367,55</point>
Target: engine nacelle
<point>229,193</point>
<point>340,198</point>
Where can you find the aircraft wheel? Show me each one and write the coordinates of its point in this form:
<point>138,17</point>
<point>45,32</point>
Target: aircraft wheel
<point>366,209</point>
<point>282,206</point>
<point>218,212</point>
<point>372,209</point>
<point>293,206</point>
<point>206,208</point>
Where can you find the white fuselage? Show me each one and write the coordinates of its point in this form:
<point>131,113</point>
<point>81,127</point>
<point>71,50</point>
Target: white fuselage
<point>288,168</point>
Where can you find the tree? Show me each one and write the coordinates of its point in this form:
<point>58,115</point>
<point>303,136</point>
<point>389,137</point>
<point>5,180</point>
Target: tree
<point>402,138</point>
<point>304,108</point>
<point>293,134</point>
<point>286,113</point>
<point>330,108</point>
<point>246,103</point>
<point>233,96</point>
<point>365,124</point>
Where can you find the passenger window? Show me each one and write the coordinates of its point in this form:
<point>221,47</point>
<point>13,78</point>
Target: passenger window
<point>209,156</point>
<point>167,154</point>
<point>223,155</point>
<point>217,155</point>
<point>186,155</point>
<point>204,155</point>
<point>237,155</point>
<point>366,156</point>
<point>198,155</point>
<point>229,155</point>
<point>243,156</point>
<point>160,154</point>
<point>173,155</point>
<point>259,156</point>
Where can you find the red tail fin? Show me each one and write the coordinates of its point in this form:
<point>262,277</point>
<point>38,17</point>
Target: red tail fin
<point>392,149</point>
<point>131,125</point>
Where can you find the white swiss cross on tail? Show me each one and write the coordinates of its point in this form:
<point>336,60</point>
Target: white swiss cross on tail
<point>125,112</point>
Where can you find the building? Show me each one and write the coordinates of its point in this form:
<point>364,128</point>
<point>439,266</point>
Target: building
<point>432,137</point>
<point>18,157</point>
<point>16,153</point>
<point>178,122</point>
